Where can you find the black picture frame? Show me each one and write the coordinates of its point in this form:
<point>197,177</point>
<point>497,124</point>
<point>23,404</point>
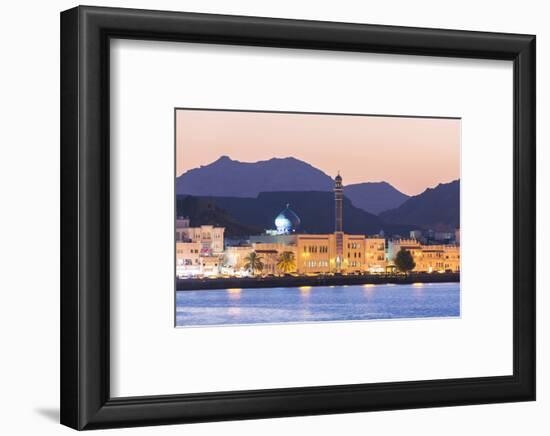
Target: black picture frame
<point>85,399</point>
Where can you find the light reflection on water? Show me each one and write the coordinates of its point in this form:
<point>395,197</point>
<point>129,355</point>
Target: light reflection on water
<point>323,303</point>
<point>234,311</point>
<point>234,293</point>
<point>368,292</point>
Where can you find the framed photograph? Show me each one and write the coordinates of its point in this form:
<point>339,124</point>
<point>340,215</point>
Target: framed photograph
<point>320,248</point>
<point>266,217</point>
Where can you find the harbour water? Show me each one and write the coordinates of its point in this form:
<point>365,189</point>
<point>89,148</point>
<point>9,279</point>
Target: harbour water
<point>317,304</point>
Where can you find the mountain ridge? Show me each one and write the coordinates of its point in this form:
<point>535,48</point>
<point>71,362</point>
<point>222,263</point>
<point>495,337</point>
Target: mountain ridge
<point>375,197</point>
<point>436,208</point>
<point>227,177</point>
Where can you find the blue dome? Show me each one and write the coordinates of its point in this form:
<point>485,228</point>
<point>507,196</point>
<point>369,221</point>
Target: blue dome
<point>287,221</point>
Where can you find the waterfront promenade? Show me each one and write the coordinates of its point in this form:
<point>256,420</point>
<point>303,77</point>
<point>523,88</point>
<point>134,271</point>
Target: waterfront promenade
<point>193,284</point>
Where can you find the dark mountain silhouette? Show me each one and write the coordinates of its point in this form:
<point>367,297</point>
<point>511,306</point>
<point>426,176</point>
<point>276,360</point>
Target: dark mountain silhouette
<point>315,209</point>
<point>374,197</point>
<point>204,211</point>
<point>436,208</point>
<point>230,178</point>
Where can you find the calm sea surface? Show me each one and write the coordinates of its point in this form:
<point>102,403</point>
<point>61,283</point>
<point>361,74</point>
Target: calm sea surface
<point>307,304</point>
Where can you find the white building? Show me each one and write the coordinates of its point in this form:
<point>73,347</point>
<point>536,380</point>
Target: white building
<point>199,250</point>
<point>188,259</point>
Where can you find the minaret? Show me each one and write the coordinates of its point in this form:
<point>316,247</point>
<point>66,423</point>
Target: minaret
<point>338,228</point>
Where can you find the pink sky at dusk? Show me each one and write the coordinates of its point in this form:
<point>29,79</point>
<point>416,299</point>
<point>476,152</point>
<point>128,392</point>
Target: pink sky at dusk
<point>412,154</point>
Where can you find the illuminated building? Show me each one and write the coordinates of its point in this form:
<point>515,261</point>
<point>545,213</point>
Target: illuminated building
<point>375,254</point>
<point>413,246</point>
<point>188,258</point>
<point>316,253</point>
<point>313,253</point>
<point>210,265</point>
<point>210,237</point>
<point>438,258</point>
<point>427,258</point>
<point>200,250</point>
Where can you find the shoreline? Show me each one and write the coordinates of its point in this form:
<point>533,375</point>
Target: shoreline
<point>293,282</point>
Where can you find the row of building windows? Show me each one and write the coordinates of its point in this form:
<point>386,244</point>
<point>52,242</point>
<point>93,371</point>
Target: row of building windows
<point>192,251</point>
<point>437,255</point>
<point>355,254</point>
<point>197,236</point>
<point>187,262</point>
<point>442,265</point>
<point>324,248</point>
<point>315,249</point>
<point>314,263</point>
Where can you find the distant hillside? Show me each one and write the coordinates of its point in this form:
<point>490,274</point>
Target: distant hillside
<point>436,208</point>
<point>202,211</point>
<point>230,178</point>
<point>315,209</point>
<point>374,197</point>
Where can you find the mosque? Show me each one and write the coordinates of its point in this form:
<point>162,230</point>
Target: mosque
<point>198,249</point>
<point>201,250</point>
<point>287,221</point>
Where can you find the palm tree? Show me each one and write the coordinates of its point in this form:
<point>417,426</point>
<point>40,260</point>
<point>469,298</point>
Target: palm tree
<point>253,262</point>
<point>286,262</point>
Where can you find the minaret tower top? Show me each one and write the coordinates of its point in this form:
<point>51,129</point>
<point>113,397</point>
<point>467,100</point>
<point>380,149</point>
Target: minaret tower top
<point>338,181</point>
<point>338,197</point>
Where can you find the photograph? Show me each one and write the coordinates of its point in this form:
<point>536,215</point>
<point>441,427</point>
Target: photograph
<point>296,217</point>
